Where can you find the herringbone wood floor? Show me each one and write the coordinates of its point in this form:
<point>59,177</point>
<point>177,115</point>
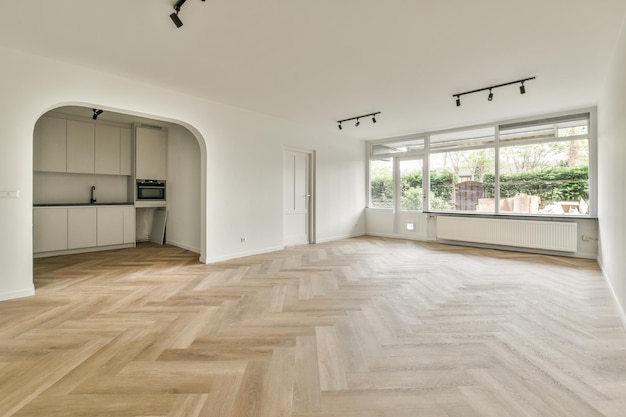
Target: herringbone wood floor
<point>362,327</point>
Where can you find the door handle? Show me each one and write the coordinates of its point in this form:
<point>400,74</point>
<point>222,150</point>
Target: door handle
<point>307,195</point>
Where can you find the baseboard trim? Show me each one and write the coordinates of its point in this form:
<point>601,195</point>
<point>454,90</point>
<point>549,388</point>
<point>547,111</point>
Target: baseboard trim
<point>620,310</point>
<point>398,236</point>
<point>215,259</point>
<point>12,295</point>
<point>82,250</point>
<point>183,246</point>
<point>335,238</point>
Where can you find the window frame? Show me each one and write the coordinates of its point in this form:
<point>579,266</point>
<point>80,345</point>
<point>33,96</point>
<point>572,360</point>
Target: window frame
<point>553,118</point>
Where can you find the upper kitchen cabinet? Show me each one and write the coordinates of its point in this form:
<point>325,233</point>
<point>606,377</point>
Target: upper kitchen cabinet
<point>50,145</point>
<point>126,147</point>
<point>108,150</point>
<point>150,154</point>
<point>80,147</point>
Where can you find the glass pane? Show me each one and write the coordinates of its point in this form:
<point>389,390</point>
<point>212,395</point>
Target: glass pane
<point>547,178</point>
<point>463,181</point>
<point>464,138</point>
<point>551,130</point>
<point>398,147</point>
<point>411,185</point>
<point>381,183</point>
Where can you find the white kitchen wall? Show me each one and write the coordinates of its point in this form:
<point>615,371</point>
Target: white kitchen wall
<point>612,175</point>
<point>53,187</point>
<point>183,189</point>
<point>240,154</point>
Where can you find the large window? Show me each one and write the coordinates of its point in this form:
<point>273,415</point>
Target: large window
<point>544,167</point>
<point>457,174</point>
<point>537,167</point>
<point>381,183</point>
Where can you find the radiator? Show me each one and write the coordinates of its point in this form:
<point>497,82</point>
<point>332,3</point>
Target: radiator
<point>556,236</point>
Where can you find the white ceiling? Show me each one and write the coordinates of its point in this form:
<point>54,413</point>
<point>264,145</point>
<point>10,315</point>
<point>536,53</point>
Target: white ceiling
<point>315,62</point>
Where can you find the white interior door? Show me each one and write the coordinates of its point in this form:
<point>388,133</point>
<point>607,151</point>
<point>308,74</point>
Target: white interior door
<point>296,197</point>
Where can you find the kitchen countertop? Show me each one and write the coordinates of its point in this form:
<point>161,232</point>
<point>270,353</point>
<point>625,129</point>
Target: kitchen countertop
<point>96,204</point>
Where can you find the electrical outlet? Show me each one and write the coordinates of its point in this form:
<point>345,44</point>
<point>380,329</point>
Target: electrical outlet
<point>585,238</point>
<point>243,239</point>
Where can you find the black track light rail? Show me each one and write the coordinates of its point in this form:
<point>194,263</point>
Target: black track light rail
<point>357,118</point>
<point>522,89</point>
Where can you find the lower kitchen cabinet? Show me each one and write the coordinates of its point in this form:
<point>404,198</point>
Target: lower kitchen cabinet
<point>58,229</point>
<point>129,224</point>
<point>49,229</point>
<point>81,227</point>
<point>110,226</point>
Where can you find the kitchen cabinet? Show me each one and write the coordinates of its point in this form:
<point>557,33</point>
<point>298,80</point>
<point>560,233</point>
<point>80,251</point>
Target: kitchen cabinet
<point>80,147</point>
<point>129,219</point>
<point>49,229</point>
<point>50,145</point>
<point>57,229</point>
<point>110,226</point>
<point>126,167</point>
<point>107,150</point>
<point>150,154</point>
<point>81,227</point>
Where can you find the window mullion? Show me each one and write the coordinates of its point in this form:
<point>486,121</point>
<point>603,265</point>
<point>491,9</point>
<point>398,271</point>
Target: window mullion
<point>496,180</point>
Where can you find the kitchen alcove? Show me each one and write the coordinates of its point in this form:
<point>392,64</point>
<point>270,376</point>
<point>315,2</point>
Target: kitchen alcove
<point>57,186</point>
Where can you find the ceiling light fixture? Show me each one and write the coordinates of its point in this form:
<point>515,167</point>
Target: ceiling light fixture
<point>357,118</point>
<point>96,113</point>
<point>174,16</point>
<point>522,90</point>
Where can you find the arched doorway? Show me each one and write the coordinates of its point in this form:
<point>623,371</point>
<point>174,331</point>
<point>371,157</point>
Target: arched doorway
<point>186,162</point>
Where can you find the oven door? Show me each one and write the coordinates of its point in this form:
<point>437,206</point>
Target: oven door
<point>150,192</point>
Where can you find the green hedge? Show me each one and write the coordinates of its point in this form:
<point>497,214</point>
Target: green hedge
<point>554,184</point>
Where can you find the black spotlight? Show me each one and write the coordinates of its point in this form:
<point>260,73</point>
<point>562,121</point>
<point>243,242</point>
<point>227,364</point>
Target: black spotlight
<point>96,113</point>
<point>522,89</point>
<point>374,118</point>
<point>458,101</point>
<point>340,126</point>
<point>176,19</point>
<point>174,16</point>
<point>357,123</point>
<point>490,95</point>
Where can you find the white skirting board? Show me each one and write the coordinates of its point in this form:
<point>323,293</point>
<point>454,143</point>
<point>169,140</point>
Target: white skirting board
<point>546,235</point>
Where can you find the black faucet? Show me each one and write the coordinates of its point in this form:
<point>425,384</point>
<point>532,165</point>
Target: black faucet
<point>93,189</point>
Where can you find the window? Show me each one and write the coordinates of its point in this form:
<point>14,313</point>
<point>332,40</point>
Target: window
<point>381,183</point>
<point>544,168</point>
<point>411,189</point>
<point>457,175</point>
<point>537,167</point>
<point>396,147</point>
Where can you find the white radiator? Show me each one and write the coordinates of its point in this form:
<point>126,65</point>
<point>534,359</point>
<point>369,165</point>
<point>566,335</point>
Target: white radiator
<point>556,236</point>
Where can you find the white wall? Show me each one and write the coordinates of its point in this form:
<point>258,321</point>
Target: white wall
<point>240,156</point>
<point>183,189</point>
<point>612,174</point>
<point>54,187</point>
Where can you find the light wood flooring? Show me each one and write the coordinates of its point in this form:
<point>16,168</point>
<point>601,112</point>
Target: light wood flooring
<point>364,327</point>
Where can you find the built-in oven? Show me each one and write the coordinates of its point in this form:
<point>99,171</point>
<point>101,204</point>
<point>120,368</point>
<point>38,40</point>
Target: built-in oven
<point>150,190</point>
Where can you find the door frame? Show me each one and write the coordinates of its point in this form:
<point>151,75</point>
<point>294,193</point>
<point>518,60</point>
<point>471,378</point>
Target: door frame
<point>312,192</point>
<point>398,213</point>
